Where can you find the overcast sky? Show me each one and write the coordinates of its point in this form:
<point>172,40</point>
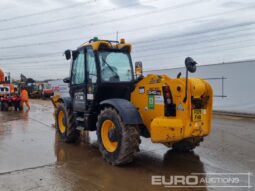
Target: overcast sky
<point>34,34</point>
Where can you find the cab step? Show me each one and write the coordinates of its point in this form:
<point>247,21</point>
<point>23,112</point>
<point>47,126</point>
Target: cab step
<point>80,119</point>
<point>80,128</point>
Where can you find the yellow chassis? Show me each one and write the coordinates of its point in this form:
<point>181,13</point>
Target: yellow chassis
<point>184,125</point>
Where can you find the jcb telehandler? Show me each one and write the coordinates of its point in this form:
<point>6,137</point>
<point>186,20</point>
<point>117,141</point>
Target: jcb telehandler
<point>107,96</point>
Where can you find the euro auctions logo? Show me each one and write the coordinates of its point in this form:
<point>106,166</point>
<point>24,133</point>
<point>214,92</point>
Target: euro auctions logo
<point>223,180</point>
<point>175,180</point>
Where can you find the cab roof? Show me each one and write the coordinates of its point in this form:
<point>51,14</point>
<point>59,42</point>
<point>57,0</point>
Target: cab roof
<point>96,44</point>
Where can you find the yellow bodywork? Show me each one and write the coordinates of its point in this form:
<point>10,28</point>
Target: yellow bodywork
<point>97,44</point>
<point>55,101</point>
<point>148,98</point>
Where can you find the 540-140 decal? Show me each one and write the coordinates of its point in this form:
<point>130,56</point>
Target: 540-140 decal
<point>151,91</point>
<point>154,91</point>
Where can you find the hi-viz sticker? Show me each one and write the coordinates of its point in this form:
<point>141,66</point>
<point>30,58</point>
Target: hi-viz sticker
<point>151,102</point>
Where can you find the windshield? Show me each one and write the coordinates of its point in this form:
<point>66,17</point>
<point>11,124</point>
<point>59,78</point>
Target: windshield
<point>115,66</point>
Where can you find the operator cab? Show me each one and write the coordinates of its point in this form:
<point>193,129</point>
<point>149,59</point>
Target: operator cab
<point>100,70</point>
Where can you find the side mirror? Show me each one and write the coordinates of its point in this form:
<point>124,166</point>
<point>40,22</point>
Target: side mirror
<point>66,80</point>
<point>138,69</point>
<point>68,54</point>
<point>190,65</point>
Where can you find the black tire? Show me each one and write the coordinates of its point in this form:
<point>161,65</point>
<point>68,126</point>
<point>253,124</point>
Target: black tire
<point>18,106</point>
<point>128,138</point>
<point>187,145</point>
<point>71,134</point>
<point>1,104</point>
<point>5,106</point>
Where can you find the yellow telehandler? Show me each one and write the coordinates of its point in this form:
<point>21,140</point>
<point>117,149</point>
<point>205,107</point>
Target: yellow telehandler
<point>107,96</point>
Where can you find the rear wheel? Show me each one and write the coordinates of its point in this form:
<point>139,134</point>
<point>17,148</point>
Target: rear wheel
<point>187,145</point>
<point>66,126</point>
<point>117,142</point>
<point>18,106</point>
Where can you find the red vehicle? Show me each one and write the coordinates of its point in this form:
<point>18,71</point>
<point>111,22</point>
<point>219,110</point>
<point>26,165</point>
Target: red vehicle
<point>47,91</point>
<point>8,96</point>
<point>10,101</point>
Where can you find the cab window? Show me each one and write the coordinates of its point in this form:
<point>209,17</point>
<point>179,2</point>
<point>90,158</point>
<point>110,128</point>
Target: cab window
<point>115,66</point>
<point>78,71</point>
<point>91,66</point>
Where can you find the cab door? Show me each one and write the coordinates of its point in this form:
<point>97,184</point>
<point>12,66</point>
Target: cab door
<point>77,85</point>
<point>91,76</point>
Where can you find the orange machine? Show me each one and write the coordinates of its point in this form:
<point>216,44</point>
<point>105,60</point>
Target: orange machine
<point>5,83</point>
<point>6,89</point>
<point>1,75</point>
<point>8,96</point>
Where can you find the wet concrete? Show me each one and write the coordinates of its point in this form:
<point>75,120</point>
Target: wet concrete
<point>33,158</point>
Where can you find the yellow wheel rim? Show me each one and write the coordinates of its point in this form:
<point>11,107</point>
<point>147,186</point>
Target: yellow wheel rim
<point>61,126</point>
<point>108,144</point>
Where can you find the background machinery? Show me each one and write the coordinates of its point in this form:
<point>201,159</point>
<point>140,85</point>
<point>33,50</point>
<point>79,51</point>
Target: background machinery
<point>9,95</point>
<point>47,90</point>
<point>36,89</point>
<point>105,96</point>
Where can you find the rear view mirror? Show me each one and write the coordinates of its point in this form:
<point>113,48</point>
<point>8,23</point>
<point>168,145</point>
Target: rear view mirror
<point>66,80</point>
<point>68,54</point>
<point>138,69</point>
<point>190,65</point>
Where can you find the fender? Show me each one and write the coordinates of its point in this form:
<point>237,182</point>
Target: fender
<point>56,100</point>
<point>67,101</point>
<point>126,109</point>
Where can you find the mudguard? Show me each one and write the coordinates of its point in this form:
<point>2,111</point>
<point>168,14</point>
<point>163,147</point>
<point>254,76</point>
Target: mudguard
<point>126,109</point>
<point>56,100</point>
<point>67,101</point>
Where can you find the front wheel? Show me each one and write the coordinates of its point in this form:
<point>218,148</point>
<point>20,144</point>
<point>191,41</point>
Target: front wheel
<point>117,142</point>
<point>66,126</point>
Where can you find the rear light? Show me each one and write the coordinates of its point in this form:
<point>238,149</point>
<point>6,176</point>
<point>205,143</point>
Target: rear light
<point>170,107</point>
<point>167,94</point>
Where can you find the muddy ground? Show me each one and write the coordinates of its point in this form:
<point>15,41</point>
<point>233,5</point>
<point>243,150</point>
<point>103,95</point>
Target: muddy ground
<point>33,158</point>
